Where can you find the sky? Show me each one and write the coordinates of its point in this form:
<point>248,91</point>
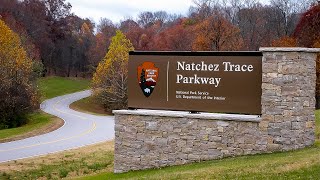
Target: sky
<point>117,10</point>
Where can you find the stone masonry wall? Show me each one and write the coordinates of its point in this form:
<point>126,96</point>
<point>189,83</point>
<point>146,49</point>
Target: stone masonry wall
<point>151,140</point>
<point>288,97</point>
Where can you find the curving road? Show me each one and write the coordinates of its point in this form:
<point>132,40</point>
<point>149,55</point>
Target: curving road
<point>79,129</point>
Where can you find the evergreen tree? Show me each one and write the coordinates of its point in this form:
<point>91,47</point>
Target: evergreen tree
<point>143,77</point>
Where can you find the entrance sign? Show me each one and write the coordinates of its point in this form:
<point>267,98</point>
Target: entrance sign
<point>228,82</point>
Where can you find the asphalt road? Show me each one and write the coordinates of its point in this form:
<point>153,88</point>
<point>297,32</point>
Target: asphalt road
<point>79,129</point>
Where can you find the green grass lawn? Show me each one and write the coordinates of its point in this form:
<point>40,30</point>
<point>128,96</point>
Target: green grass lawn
<point>300,164</point>
<point>98,160</point>
<point>37,121</point>
<point>56,86</point>
<point>317,113</point>
<point>49,87</point>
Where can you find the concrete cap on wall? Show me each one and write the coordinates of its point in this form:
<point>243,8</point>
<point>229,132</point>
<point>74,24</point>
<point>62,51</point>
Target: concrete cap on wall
<point>185,114</point>
<point>289,49</point>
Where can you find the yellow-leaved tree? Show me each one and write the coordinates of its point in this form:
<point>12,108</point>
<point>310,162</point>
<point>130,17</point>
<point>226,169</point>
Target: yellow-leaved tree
<point>17,89</point>
<point>109,82</point>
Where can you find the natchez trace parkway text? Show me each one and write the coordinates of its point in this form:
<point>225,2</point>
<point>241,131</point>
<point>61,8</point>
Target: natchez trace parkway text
<point>227,67</point>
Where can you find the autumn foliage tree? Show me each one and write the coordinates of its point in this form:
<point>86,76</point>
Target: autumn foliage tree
<point>307,31</point>
<point>101,41</point>
<point>17,90</point>
<point>285,41</point>
<point>109,82</point>
<point>217,34</point>
<point>307,34</point>
<point>178,37</point>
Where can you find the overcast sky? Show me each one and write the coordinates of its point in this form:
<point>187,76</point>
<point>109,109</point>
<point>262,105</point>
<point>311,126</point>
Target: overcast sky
<point>117,10</point>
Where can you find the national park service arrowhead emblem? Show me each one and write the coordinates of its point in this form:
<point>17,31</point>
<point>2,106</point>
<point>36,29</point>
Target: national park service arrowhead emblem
<point>147,77</point>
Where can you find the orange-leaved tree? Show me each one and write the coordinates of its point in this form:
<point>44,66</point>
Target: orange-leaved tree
<point>110,79</point>
<point>217,34</point>
<point>178,37</point>
<point>17,89</point>
<point>285,41</point>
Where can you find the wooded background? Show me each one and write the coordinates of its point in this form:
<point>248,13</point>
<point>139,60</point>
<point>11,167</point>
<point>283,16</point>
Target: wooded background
<point>43,38</point>
<point>67,45</point>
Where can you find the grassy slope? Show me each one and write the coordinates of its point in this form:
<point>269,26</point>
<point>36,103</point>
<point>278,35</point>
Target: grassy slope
<point>300,164</point>
<point>89,105</point>
<point>71,163</point>
<point>304,164</point>
<point>36,120</point>
<point>56,86</point>
<point>49,87</point>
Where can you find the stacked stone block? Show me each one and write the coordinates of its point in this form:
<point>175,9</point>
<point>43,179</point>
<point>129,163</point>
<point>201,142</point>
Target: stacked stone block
<point>155,141</point>
<point>288,97</point>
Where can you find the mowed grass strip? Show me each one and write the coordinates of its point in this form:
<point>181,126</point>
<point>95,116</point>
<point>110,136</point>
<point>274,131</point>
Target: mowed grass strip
<point>51,87</point>
<point>300,164</point>
<point>40,122</point>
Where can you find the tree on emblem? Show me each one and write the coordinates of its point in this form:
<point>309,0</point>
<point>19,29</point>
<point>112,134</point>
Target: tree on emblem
<point>143,77</point>
<point>143,84</point>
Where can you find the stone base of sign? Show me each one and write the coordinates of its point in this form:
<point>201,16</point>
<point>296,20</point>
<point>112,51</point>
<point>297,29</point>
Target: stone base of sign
<point>151,139</point>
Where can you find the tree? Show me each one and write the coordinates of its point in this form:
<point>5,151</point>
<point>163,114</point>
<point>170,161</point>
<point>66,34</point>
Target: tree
<point>110,79</point>
<point>217,34</point>
<point>285,41</point>
<point>161,16</point>
<point>17,90</point>
<point>7,14</point>
<point>202,9</point>
<point>308,35</point>
<point>285,16</point>
<point>146,19</point>
<point>254,27</point>
<point>105,30</point>
<point>307,31</point>
<point>177,37</point>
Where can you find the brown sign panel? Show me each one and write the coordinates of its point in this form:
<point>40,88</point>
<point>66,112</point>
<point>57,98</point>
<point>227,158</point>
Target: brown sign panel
<point>228,82</point>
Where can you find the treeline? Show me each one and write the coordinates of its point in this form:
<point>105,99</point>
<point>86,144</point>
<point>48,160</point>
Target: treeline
<point>51,35</point>
<point>66,45</point>
<point>212,31</point>
<point>18,93</point>
<point>42,37</point>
